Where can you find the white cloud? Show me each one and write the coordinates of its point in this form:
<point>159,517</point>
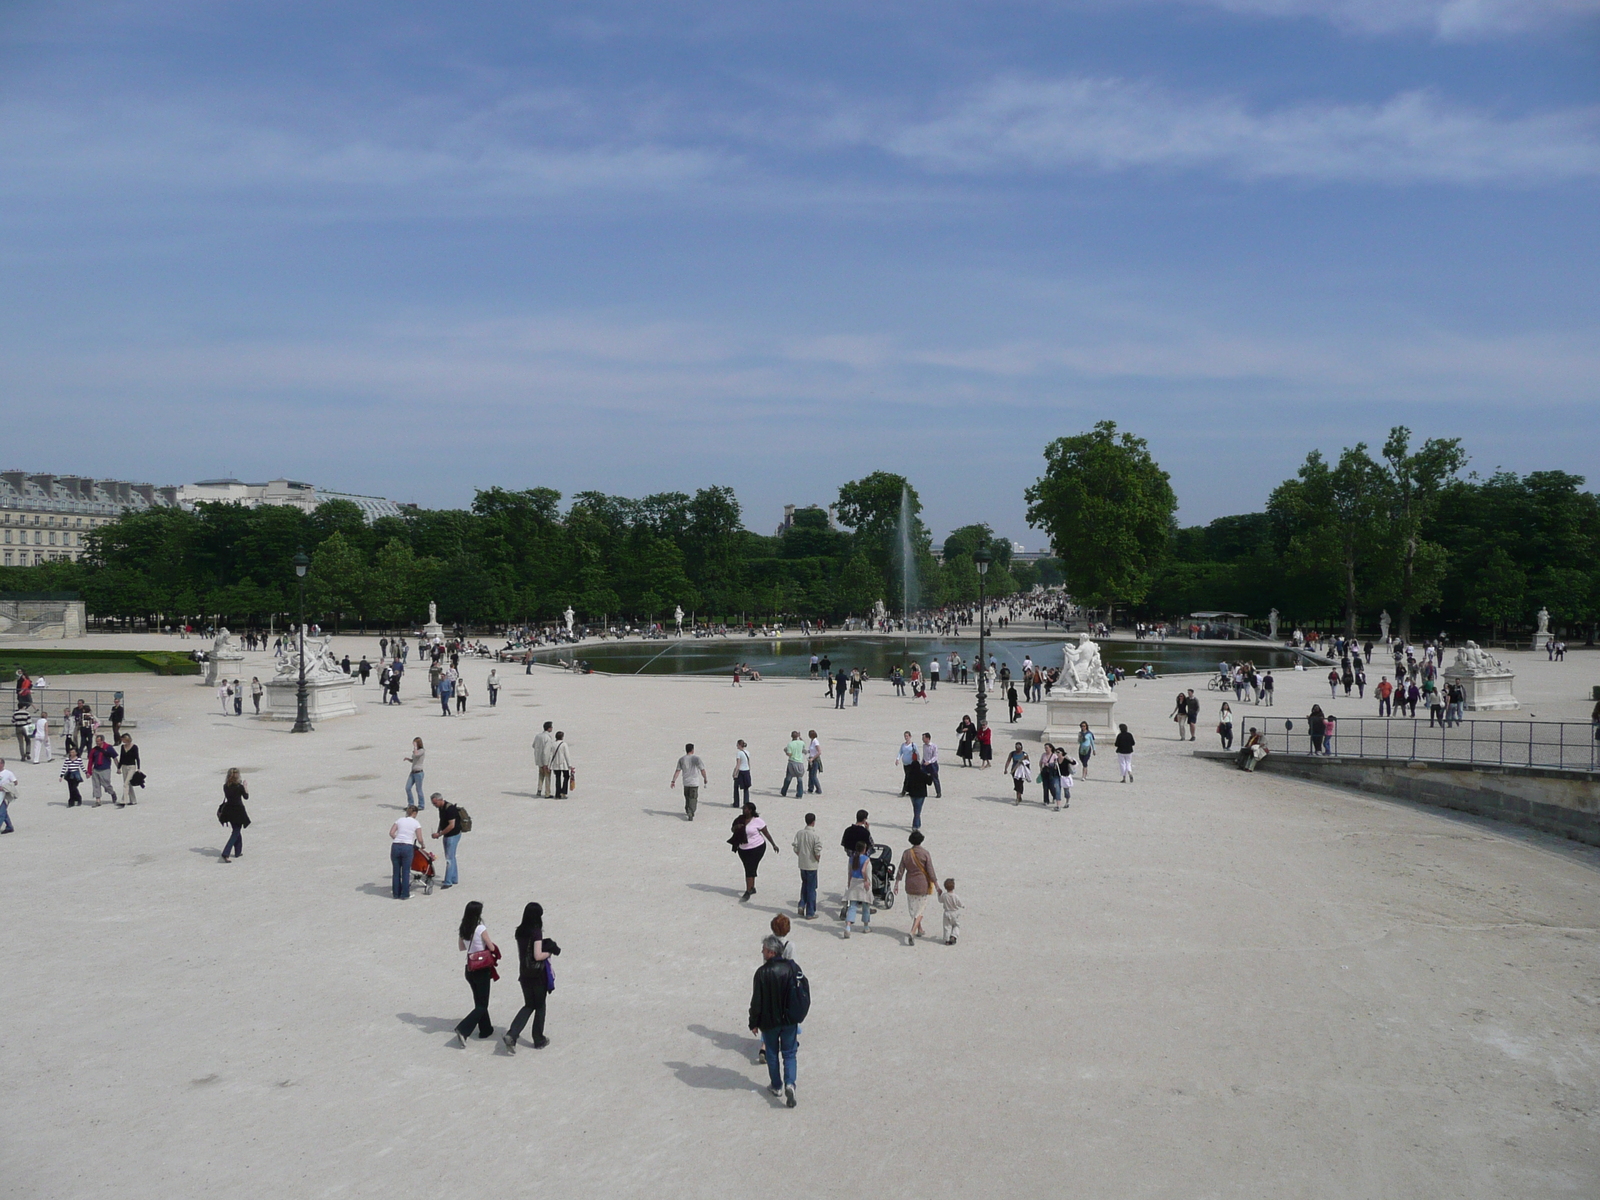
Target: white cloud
<point>1450,20</point>
<point>1115,125</point>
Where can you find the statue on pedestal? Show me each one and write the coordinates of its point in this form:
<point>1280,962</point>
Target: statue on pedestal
<point>1081,668</point>
<point>569,615</point>
<point>1272,624</point>
<point>1544,622</point>
<point>1383,623</point>
<point>1472,659</point>
<point>677,615</point>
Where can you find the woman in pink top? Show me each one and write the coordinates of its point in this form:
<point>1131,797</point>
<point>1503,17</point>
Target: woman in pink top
<point>750,840</point>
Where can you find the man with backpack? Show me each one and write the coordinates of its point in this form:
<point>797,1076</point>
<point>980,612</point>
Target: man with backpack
<point>452,824</point>
<point>779,1001</point>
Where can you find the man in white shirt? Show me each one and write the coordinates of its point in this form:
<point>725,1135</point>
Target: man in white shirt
<point>8,793</point>
<point>933,675</point>
<point>930,764</point>
<point>693,771</point>
<point>813,765</point>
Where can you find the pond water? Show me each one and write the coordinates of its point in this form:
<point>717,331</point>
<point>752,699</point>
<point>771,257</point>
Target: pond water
<point>791,656</point>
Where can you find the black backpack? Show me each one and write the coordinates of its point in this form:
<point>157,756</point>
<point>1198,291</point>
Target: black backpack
<point>797,997</point>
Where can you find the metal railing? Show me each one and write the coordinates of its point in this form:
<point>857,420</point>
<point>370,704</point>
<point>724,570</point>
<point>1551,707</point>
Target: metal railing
<point>56,700</point>
<point>1557,745</point>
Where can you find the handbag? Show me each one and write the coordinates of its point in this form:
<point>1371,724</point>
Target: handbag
<point>480,959</point>
<point>221,810</point>
<point>549,976</point>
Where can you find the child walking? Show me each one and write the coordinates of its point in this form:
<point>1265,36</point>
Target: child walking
<point>952,912</point>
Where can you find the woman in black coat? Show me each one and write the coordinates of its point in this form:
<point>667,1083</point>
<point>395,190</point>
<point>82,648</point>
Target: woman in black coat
<point>968,733</point>
<point>533,953</point>
<point>232,813</point>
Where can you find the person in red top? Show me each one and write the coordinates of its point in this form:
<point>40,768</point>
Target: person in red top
<point>1383,691</point>
<point>101,759</point>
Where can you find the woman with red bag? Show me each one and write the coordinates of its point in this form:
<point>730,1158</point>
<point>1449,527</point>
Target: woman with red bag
<point>482,954</point>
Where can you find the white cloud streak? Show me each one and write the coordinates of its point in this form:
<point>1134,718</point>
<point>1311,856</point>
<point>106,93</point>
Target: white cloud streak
<point>1448,20</point>
<point>1110,125</point>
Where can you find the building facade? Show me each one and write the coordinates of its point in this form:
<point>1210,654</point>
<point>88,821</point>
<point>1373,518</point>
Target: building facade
<point>46,518</point>
<point>287,492</point>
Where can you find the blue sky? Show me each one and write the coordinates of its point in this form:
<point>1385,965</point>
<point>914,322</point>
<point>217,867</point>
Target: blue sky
<point>638,247</point>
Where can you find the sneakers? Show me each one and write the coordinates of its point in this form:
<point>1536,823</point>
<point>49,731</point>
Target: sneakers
<point>788,1095</point>
<point>747,895</point>
<point>761,1054</point>
<point>847,931</point>
<point>776,1091</point>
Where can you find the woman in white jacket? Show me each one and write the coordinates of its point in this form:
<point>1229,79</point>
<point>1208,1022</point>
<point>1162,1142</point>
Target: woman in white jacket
<point>561,763</point>
<point>41,739</point>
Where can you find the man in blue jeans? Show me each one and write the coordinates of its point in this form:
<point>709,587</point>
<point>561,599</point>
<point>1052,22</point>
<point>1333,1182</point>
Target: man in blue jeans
<point>8,790</point>
<point>450,830</point>
<point>769,1016</point>
<point>808,849</point>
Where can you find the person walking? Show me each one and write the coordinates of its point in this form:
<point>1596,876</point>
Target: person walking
<point>858,887</point>
<point>741,774</point>
<point>841,684</point>
<point>1020,770</point>
<point>930,763</point>
<point>72,773</point>
<point>985,744</point>
<point>905,756</point>
<point>101,759</point>
<point>238,696</point>
<point>450,830</point>
<point>1085,746</point>
<point>795,764</point>
<point>1124,748</point>
<point>405,835</point>
<point>542,742</point>
<point>1012,705</point>
<point>415,776</point>
<point>750,840</point>
<point>1225,726</point>
<point>1050,774</point>
<point>561,764</point>
<point>232,814</point>
<point>461,694</point>
<point>492,686</point>
<point>808,849</point>
<point>1191,712</point>
<point>482,954</point>
<point>966,740</point>
<point>256,689</point>
<point>41,737</point>
<point>916,871</point>
<point>8,793</point>
<point>915,786</point>
<point>779,1001</point>
<point>693,771</point>
<point>446,689</point>
<point>813,765</point>
<point>534,974</point>
<point>128,767</point>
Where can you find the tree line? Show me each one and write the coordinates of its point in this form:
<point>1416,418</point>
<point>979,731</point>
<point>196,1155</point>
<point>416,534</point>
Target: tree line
<point>1405,528</point>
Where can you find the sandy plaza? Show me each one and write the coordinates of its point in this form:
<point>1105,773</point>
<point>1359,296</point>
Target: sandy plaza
<point>1204,983</point>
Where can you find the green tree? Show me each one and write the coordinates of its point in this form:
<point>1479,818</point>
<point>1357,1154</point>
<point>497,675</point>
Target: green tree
<point>392,584</point>
<point>1107,507</point>
<point>1413,482</point>
<point>336,581</point>
<point>1499,593</point>
<point>860,585</point>
<point>1336,520</point>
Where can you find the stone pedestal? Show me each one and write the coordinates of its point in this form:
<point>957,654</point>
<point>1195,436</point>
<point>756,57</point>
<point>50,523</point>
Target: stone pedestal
<point>220,667</point>
<point>1541,640</point>
<point>433,631</point>
<point>325,697</point>
<point>1063,711</point>
<point>1487,691</point>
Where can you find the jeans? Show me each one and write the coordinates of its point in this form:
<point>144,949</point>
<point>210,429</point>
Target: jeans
<point>865,910</point>
<point>931,770</point>
<point>916,810</point>
<point>235,843</point>
<point>444,701</point>
<point>5,816</point>
<point>414,780</point>
<point>534,998</point>
<point>784,1041</point>
<point>400,862</point>
<point>808,893</point>
<point>792,771</point>
<point>839,699</point>
<point>450,842</point>
<point>1383,706</point>
<point>741,783</point>
<point>494,694</point>
<point>812,783</point>
<point>479,982</point>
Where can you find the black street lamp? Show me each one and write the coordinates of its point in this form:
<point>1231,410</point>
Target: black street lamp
<point>302,719</point>
<point>982,558</point>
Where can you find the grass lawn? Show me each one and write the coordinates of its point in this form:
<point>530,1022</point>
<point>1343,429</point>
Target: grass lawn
<point>96,662</point>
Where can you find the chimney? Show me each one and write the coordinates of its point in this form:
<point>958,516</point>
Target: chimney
<point>169,494</point>
<point>47,482</point>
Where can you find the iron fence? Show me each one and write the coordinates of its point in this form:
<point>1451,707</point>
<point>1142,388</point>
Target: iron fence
<point>1558,745</point>
<point>56,700</point>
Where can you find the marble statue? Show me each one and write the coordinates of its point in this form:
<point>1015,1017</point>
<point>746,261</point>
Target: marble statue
<point>1472,659</point>
<point>320,662</point>
<point>569,615</point>
<point>1383,623</point>
<point>222,644</point>
<point>433,613</point>
<point>1544,621</point>
<point>677,615</point>
<point>1272,624</point>
<point>878,612</point>
<point>1081,668</point>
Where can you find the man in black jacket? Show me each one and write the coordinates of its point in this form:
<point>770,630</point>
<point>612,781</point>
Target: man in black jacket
<point>1191,710</point>
<point>770,1018</point>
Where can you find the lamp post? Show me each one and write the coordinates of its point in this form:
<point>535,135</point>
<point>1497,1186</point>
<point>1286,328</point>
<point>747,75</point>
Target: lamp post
<point>302,720</point>
<point>981,558</point>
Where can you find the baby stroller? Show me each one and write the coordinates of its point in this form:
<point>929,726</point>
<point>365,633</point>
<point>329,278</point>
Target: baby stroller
<point>422,869</point>
<point>882,868</point>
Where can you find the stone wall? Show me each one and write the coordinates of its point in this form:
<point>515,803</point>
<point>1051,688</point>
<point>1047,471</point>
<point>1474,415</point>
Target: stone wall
<point>43,619</point>
<point>1564,802</point>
